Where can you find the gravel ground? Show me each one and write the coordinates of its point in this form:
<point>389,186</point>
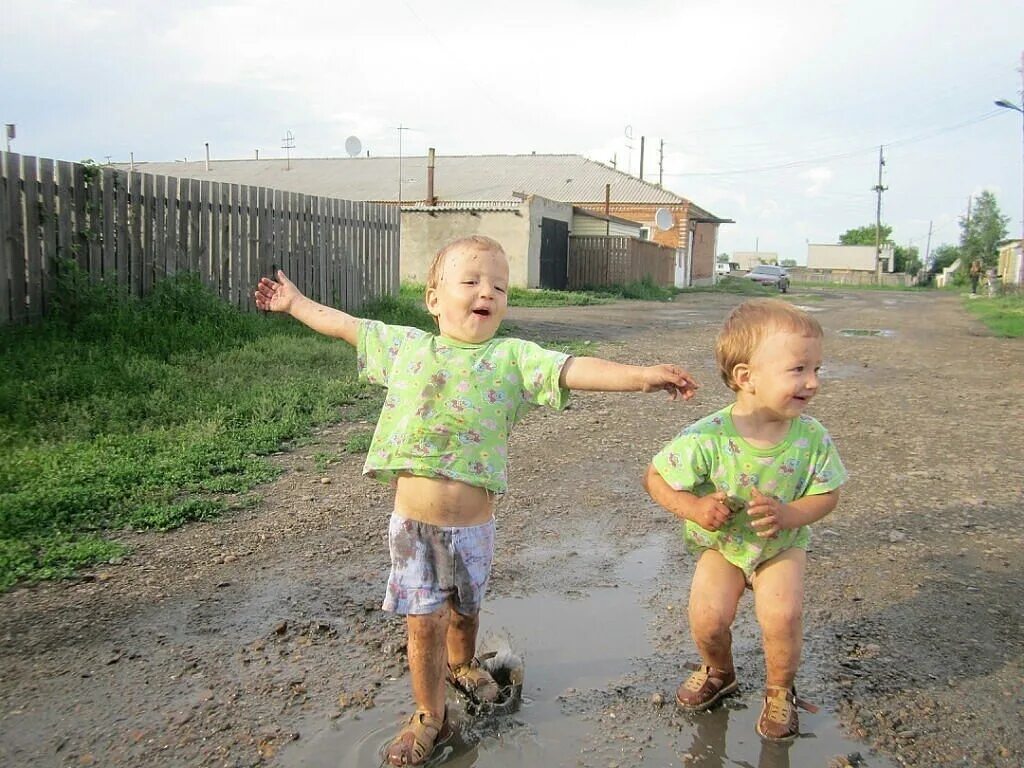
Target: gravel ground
<point>217,644</point>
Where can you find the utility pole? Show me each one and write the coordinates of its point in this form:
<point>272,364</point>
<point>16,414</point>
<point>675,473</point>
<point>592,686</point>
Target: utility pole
<point>879,189</point>
<point>928,247</point>
<point>400,129</point>
<point>661,161</point>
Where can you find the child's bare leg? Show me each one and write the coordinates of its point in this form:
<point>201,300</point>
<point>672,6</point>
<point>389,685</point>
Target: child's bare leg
<point>428,658</point>
<point>779,600</point>
<point>461,638</point>
<point>714,596</point>
<point>466,672</point>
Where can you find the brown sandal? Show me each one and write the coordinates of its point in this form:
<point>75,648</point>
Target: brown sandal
<point>416,741</point>
<point>778,720</point>
<point>705,686</point>
<point>474,682</point>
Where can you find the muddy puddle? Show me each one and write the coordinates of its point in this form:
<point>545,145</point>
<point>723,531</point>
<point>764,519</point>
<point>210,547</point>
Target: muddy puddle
<point>585,699</point>
<point>875,332</point>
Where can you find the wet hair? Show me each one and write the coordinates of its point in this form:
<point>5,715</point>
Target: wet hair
<point>472,242</point>
<point>748,325</point>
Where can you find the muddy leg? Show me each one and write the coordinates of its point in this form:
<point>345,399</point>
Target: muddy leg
<point>779,599</point>
<point>428,659</point>
<point>461,639</point>
<point>714,594</point>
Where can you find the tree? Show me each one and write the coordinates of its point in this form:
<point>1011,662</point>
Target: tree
<point>789,262</point>
<point>943,257</point>
<point>865,235</point>
<point>905,259</point>
<point>981,234</point>
<point>723,258</point>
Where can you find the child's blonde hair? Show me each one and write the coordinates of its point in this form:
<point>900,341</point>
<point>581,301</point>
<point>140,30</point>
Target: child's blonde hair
<point>470,242</point>
<point>747,326</point>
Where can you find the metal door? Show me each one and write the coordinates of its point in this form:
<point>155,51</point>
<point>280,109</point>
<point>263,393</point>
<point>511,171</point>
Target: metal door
<point>554,254</point>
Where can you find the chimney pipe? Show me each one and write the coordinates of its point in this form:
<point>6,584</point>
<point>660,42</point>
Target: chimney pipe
<point>208,157</point>
<point>642,158</point>
<point>431,200</point>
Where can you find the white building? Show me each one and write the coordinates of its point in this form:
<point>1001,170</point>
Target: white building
<point>856,258</point>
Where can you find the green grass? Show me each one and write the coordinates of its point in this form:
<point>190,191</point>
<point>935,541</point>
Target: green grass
<point>537,297</point>
<point>852,287</point>
<point>1003,315</point>
<point>147,414</point>
<point>122,413</point>
<point>737,285</point>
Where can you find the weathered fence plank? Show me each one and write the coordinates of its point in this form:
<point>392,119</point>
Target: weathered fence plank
<point>137,229</point>
<point>33,250</point>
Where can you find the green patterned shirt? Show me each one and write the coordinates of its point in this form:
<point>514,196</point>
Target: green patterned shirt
<point>451,405</point>
<point>710,456</point>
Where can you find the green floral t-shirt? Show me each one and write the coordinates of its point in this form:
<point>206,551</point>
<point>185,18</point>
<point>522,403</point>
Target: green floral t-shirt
<point>710,456</point>
<point>451,405</point>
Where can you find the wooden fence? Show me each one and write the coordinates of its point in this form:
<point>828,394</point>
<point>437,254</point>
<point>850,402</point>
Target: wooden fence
<point>596,261</point>
<point>137,228</point>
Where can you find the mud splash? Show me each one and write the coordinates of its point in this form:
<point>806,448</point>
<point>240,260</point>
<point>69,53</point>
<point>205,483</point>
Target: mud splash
<point>579,650</point>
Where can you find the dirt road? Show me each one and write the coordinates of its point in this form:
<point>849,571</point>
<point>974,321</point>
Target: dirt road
<point>258,640</point>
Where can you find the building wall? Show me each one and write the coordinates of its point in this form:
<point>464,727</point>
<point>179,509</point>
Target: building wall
<point>750,259</point>
<point>424,233</point>
<point>588,225</point>
<point>1011,268</point>
<point>831,256</point>
<point>540,208</point>
<point>705,234</point>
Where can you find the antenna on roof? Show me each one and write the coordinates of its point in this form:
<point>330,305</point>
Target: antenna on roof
<point>288,144</point>
<point>353,146</point>
<point>629,146</point>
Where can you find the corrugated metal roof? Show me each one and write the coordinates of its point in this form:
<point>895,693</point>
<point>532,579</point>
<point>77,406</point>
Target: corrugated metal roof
<point>466,205</point>
<point>566,178</point>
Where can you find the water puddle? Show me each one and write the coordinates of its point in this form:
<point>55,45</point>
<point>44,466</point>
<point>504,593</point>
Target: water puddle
<point>867,332</point>
<point>577,648</point>
<point>836,371</point>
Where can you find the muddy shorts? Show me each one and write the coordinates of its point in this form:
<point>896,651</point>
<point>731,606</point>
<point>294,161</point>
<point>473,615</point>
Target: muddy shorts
<point>432,564</point>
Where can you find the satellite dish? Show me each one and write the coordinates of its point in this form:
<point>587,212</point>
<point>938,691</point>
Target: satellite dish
<point>663,219</point>
<point>353,146</point>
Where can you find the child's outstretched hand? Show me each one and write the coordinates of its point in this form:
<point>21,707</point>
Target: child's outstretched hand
<point>711,512</point>
<point>677,382</point>
<point>766,514</point>
<point>276,296</point>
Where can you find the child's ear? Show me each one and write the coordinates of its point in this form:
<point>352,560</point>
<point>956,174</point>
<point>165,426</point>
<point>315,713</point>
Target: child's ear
<point>431,301</point>
<point>741,376</point>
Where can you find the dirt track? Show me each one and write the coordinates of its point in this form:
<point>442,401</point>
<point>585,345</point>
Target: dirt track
<point>235,643</point>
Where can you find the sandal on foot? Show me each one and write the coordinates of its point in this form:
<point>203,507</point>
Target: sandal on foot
<point>705,686</point>
<point>778,720</point>
<point>416,741</point>
<point>474,682</point>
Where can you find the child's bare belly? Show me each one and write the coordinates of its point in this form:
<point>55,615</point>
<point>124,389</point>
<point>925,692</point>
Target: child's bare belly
<point>439,501</point>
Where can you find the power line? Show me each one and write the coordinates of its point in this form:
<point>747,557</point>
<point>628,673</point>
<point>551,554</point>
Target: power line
<point>844,155</point>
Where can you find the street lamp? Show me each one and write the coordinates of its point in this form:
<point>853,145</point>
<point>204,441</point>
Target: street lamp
<point>1006,104</point>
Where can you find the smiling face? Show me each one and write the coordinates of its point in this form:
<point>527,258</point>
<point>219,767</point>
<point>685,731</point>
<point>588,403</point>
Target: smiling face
<point>469,298</point>
<point>782,375</point>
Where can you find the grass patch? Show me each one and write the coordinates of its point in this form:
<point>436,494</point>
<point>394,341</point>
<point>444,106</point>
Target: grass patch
<point>541,297</point>
<point>737,285</point>
<point>126,413</point>
<point>123,413</point>
<point>1003,315</point>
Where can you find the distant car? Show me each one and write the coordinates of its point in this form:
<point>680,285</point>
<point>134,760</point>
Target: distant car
<point>722,268</point>
<point>769,274</point>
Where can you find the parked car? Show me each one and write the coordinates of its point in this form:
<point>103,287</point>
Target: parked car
<point>769,274</point>
<point>722,268</point>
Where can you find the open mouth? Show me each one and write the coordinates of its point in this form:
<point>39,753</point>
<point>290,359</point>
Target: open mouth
<point>482,312</point>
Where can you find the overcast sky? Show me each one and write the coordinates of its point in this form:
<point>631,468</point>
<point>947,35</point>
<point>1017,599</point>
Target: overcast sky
<point>771,112</point>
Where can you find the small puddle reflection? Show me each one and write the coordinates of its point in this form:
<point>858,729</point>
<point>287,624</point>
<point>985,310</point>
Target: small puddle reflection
<point>574,645</point>
<point>883,332</point>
